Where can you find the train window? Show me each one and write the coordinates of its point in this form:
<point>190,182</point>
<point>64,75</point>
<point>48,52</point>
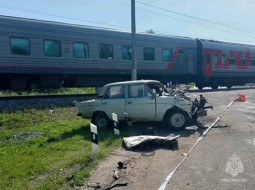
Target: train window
<point>127,52</point>
<point>105,51</point>
<point>242,60</point>
<point>180,56</point>
<point>231,60</point>
<point>167,54</point>
<point>223,59</point>
<point>215,59</point>
<point>52,48</point>
<point>148,54</point>
<point>252,60</point>
<point>20,46</point>
<point>208,58</point>
<point>80,50</point>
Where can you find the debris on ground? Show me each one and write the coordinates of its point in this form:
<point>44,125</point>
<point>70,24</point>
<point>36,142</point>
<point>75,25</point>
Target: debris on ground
<point>184,154</point>
<point>51,112</point>
<point>221,126</point>
<point>26,135</point>
<point>148,153</point>
<point>150,131</point>
<point>116,185</point>
<point>133,141</point>
<point>93,184</point>
<point>200,125</point>
<point>70,177</point>
<point>116,174</point>
<point>122,165</point>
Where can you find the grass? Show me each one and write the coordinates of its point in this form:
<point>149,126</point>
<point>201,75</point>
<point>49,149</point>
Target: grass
<point>56,91</point>
<point>60,157</point>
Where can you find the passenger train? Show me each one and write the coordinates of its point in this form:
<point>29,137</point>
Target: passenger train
<point>51,54</point>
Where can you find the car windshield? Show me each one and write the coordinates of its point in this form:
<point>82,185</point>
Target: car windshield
<point>102,92</point>
<point>156,88</point>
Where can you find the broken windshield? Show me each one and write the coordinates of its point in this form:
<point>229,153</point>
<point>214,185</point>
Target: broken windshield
<point>156,88</point>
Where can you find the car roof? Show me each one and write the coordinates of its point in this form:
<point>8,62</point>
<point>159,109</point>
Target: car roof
<point>124,83</point>
<point>132,82</point>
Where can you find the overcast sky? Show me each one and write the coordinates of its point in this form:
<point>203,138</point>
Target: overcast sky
<point>223,20</point>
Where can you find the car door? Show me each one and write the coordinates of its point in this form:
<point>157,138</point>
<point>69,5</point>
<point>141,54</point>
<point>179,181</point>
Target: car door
<point>114,101</point>
<point>140,103</point>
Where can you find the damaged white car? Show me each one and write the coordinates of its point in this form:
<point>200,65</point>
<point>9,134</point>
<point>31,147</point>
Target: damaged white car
<point>143,100</point>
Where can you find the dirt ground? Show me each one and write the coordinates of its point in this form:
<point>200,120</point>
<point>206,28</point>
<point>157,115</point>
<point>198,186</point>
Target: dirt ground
<point>224,159</point>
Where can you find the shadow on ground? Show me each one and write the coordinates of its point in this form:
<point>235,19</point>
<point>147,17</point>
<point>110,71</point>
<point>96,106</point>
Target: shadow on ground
<point>158,130</point>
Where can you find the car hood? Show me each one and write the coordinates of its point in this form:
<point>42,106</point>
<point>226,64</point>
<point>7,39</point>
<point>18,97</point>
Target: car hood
<point>91,102</point>
<point>172,99</point>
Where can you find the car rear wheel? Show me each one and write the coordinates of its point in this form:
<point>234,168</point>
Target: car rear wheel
<point>214,86</point>
<point>175,120</point>
<point>101,120</point>
<point>200,87</point>
<point>229,86</point>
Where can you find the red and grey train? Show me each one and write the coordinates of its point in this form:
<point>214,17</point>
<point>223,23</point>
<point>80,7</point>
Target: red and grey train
<point>50,54</point>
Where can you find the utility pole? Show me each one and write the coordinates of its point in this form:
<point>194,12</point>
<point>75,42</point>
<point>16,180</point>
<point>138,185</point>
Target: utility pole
<point>134,63</point>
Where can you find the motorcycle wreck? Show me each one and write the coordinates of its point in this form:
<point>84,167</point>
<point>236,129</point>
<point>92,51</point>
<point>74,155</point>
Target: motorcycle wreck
<point>198,107</point>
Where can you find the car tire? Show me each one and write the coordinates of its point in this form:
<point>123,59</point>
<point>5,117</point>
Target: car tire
<point>200,87</point>
<point>214,86</point>
<point>101,120</point>
<point>175,120</point>
<point>229,86</point>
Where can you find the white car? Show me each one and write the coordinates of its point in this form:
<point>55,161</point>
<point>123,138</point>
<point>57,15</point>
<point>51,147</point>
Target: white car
<point>143,100</point>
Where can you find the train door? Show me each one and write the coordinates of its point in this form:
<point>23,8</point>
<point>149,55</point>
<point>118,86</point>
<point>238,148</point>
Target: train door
<point>189,60</point>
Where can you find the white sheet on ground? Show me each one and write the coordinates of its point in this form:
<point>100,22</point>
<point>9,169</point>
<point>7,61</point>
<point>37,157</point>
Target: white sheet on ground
<point>136,140</point>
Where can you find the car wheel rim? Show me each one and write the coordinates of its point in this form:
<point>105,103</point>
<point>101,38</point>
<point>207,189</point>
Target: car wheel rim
<point>101,123</point>
<point>177,120</point>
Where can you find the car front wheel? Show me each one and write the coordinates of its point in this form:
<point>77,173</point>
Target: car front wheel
<point>101,120</point>
<point>175,120</point>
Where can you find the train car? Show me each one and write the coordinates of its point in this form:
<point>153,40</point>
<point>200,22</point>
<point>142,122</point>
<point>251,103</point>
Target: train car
<point>49,54</point>
<point>225,64</point>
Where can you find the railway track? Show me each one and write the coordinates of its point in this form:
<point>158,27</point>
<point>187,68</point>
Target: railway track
<point>12,103</point>
<point>222,89</point>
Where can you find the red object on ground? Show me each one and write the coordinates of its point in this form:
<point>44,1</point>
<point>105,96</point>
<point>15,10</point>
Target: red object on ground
<point>241,97</point>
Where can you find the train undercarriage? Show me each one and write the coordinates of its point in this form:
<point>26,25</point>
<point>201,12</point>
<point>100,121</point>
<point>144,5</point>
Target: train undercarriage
<point>44,81</point>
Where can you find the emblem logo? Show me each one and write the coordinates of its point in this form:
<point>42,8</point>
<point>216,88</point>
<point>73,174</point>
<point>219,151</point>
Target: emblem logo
<point>234,166</point>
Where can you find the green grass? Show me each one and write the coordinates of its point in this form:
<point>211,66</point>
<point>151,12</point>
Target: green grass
<point>56,91</point>
<point>49,160</point>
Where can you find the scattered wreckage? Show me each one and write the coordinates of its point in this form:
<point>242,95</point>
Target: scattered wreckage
<point>143,100</point>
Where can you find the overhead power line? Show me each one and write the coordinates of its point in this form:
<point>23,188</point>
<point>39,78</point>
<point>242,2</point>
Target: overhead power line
<point>190,22</point>
<point>197,18</point>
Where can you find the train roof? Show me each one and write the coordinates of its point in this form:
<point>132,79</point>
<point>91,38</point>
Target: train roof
<point>224,45</point>
<point>34,23</point>
<point>57,27</point>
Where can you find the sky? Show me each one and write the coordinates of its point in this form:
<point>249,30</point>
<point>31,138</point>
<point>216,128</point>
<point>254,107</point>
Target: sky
<point>222,20</point>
